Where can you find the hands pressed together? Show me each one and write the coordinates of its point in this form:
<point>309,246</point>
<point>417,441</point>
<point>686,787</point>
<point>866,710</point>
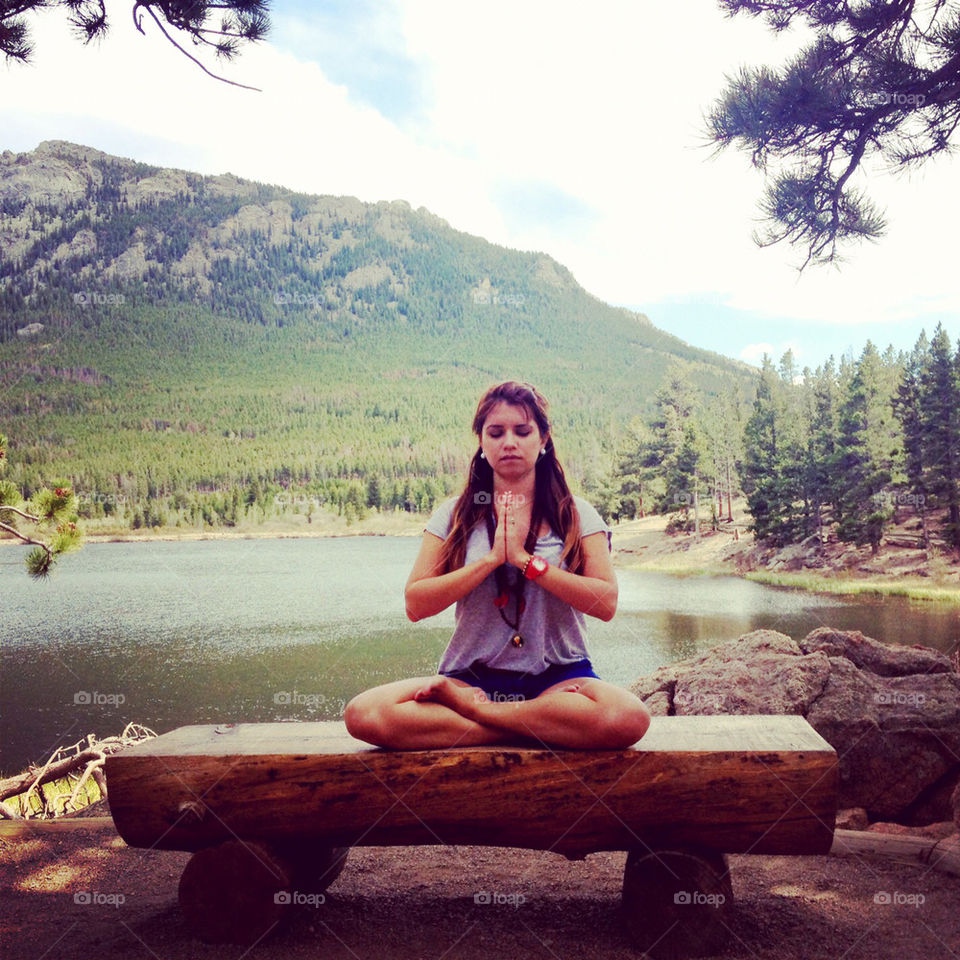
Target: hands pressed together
<point>510,533</point>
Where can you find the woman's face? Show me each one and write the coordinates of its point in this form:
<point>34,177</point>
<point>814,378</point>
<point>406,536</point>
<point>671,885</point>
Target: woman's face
<point>511,441</point>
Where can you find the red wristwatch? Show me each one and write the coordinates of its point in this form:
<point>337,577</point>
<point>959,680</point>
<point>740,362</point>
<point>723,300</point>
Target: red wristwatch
<point>535,567</point>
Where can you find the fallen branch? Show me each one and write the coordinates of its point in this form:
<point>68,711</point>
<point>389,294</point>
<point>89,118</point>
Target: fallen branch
<point>82,760</point>
<point>943,854</point>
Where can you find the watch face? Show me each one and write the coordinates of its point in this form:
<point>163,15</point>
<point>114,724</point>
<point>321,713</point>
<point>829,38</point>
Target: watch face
<point>537,566</point>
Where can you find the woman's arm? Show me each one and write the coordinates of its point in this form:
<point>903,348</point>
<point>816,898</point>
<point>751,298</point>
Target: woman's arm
<point>594,591</point>
<point>428,591</point>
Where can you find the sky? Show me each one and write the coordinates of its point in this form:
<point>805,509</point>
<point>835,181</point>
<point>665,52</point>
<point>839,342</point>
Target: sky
<point>562,127</point>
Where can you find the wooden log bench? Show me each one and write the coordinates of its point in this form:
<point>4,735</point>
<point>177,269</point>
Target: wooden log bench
<point>271,808</point>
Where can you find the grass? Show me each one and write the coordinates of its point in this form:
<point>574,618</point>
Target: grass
<point>322,524</point>
<point>911,589</point>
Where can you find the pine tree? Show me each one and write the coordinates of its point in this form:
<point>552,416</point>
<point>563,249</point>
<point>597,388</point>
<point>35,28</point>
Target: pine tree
<point>863,464</point>
<point>51,513</point>
<point>770,468</point>
<point>940,419</point>
<point>678,445</point>
<point>821,449</point>
<point>907,407</point>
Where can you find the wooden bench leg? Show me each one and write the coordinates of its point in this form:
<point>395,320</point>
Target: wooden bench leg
<point>240,890</point>
<point>677,903</point>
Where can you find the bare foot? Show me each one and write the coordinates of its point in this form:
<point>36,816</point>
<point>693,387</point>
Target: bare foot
<point>459,698</point>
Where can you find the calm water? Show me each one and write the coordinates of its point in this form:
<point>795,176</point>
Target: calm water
<point>213,631</point>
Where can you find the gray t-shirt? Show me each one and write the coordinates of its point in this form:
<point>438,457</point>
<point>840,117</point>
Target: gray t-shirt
<point>553,632</point>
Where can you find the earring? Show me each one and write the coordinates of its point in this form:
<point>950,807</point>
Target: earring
<point>543,450</point>
<point>483,456</point>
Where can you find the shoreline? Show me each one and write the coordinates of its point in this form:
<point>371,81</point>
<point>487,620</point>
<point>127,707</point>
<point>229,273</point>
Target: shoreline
<point>640,544</point>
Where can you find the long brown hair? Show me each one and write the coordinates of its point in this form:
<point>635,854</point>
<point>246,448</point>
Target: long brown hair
<point>553,500</point>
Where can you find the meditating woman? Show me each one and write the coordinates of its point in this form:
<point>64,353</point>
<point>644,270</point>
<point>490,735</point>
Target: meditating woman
<point>524,560</point>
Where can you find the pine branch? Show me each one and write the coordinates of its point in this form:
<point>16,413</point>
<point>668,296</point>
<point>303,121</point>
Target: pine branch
<point>189,56</point>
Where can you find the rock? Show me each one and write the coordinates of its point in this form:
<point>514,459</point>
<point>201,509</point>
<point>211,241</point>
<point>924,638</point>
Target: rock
<point>884,659</point>
<point>658,704</point>
<point>892,713</point>
<point>853,818</point>
<point>936,831</point>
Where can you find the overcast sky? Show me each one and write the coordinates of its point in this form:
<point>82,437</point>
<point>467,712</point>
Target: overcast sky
<point>571,128</point>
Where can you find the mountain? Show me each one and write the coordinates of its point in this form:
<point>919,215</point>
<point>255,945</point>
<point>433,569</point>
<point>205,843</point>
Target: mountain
<point>186,346</point>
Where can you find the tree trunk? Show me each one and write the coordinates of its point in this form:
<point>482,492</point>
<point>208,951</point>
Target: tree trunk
<point>677,903</point>
<point>240,890</point>
<point>729,486</point>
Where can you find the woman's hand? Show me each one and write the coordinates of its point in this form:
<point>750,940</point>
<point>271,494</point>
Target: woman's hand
<point>514,534</point>
<point>498,551</point>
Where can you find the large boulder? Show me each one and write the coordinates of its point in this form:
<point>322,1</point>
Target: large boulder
<point>891,712</point>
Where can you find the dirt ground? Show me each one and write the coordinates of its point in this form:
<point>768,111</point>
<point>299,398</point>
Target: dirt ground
<point>419,902</point>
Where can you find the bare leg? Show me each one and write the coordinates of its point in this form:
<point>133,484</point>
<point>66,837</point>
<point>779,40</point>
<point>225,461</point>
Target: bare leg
<point>390,716</point>
<point>583,712</point>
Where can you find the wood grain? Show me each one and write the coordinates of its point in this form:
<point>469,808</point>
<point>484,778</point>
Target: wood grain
<point>738,784</point>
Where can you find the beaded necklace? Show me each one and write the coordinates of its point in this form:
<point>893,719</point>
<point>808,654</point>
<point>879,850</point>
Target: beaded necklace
<point>519,582</point>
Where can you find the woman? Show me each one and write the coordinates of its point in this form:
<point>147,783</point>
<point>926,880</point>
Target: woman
<point>524,560</point>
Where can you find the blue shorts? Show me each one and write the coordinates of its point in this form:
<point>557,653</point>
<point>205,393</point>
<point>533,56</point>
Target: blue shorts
<point>501,685</point>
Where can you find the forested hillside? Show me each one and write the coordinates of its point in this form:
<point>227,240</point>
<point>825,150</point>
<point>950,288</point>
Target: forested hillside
<point>841,453</point>
<point>194,350</point>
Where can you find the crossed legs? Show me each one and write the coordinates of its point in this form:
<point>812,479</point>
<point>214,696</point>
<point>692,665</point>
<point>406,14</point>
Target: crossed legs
<point>441,711</point>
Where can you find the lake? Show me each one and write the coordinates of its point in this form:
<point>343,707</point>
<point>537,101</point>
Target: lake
<point>168,633</point>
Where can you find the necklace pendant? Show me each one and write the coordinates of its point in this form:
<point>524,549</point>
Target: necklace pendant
<point>517,640</point>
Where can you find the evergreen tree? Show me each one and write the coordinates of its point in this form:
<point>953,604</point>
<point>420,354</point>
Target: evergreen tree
<point>907,407</point>
<point>677,448</point>
<point>875,79</point>
<point>821,448</point>
<point>51,515</point>
<point>863,456</point>
<point>769,476</point>
<point>940,427</point>
<point>216,27</point>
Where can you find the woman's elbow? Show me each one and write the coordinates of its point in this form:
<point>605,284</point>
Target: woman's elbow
<point>412,607</point>
<point>609,606</point>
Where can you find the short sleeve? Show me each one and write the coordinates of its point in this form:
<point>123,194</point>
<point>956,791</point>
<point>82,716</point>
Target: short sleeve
<point>590,520</point>
<point>439,522</point>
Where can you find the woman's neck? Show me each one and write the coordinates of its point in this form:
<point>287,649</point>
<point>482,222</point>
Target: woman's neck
<point>523,487</point>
